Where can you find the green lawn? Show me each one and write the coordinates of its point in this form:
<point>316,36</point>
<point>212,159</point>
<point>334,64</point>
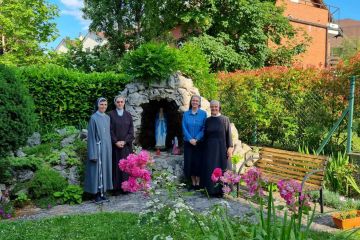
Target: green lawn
<point>104,226</point>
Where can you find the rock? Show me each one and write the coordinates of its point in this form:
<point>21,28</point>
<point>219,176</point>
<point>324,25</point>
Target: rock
<point>172,82</point>
<point>34,140</point>
<point>24,175</point>
<point>234,132</point>
<point>184,82</point>
<point>83,134</point>
<point>20,153</point>
<point>177,90</point>
<point>249,164</point>
<point>63,158</point>
<point>132,87</point>
<point>58,168</point>
<point>205,105</point>
<point>61,132</point>
<point>245,147</point>
<point>68,140</point>
<point>160,84</point>
<point>73,176</point>
<point>137,99</point>
<point>194,91</point>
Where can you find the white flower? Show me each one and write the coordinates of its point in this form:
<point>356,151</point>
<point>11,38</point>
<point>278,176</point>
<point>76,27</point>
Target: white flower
<point>169,238</point>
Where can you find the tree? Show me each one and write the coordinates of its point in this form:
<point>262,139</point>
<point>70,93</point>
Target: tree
<point>100,59</point>
<point>24,26</point>
<point>245,27</point>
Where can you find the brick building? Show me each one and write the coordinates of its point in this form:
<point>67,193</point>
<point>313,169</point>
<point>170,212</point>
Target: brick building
<point>313,17</point>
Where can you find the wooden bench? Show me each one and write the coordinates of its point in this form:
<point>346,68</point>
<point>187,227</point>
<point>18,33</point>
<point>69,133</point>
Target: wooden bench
<point>276,164</point>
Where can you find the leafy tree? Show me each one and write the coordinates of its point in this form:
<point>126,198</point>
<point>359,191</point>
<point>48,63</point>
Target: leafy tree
<point>100,59</point>
<point>240,30</point>
<point>17,111</point>
<point>24,26</point>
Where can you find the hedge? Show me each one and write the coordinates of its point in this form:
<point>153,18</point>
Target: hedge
<point>67,97</point>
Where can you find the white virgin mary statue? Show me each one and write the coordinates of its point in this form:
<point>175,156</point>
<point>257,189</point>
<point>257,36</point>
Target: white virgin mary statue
<point>160,129</point>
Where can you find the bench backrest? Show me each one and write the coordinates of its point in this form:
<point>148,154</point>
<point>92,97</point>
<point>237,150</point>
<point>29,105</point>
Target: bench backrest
<point>292,165</point>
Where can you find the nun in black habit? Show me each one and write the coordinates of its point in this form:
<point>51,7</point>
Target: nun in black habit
<point>98,170</point>
<point>218,148</point>
<point>122,136</point>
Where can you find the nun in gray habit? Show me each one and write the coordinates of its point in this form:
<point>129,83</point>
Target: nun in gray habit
<point>98,171</point>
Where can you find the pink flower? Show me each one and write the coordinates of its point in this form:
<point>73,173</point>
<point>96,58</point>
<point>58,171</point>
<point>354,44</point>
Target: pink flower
<point>216,174</point>
<point>253,181</point>
<point>226,189</point>
<point>289,191</point>
<point>139,176</point>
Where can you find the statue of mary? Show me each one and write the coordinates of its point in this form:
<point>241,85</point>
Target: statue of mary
<point>160,129</point>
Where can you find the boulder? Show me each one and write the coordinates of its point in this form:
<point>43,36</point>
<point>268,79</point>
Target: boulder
<point>34,139</point>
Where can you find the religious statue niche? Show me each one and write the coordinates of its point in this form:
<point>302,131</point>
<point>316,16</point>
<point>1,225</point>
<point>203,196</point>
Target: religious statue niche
<point>160,129</point>
<point>160,124</point>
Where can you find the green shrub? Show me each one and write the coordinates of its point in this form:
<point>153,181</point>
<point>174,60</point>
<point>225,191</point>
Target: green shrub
<point>193,64</point>
<point>45,182</point>
<point>151,62</point>
<point>66,97</point>
<point>5,170</point>
<point>21,200</point>
<point>17,112</point>
<point>28,162</point>
<point>41,150</point>
<point>339,175</point>
<point>279,106</point>
<point>71,195</point>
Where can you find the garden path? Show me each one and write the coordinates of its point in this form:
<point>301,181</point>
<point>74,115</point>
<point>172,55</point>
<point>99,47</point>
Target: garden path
<point>136,202</point>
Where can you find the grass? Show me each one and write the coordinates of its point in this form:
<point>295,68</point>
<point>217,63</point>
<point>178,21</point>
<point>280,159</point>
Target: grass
<point>107,226</point>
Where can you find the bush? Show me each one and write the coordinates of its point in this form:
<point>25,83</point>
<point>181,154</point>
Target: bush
<point>151,62</point>
<point>279,106</point>
<point>71,195</point>
<point>45,183</point>
<point>17,112</point>
<point>28,162</point>
<point>193,64</point>
<point>5,171</point>
<point>67,97</point>
<point>155,62</point>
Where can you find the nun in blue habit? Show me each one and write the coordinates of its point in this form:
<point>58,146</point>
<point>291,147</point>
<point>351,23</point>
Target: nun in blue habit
<point>98,171</point>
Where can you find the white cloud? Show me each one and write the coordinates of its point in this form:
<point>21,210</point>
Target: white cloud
<point>73,3</point>
<point>73,8</point>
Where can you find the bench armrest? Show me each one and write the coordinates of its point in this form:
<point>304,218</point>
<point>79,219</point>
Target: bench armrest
<point>307,176</point>
<point>245,161</point>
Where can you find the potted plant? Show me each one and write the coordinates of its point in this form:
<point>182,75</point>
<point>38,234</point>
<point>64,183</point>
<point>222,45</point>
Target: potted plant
<point>347,220</point>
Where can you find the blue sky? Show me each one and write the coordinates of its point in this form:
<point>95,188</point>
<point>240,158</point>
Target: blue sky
<point>70,22</point>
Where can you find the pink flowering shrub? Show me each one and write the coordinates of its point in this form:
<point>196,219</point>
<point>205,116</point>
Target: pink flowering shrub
<point>139,176</point>
<point>226,180</point>
<point>253,181</point>
<point>290,190</point>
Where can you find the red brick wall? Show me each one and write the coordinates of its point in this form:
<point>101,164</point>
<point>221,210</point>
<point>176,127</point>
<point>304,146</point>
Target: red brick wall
<point>315,54</point>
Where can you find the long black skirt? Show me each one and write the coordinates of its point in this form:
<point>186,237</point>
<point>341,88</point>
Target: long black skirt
<point>118,175</point>
<point>192,159</point>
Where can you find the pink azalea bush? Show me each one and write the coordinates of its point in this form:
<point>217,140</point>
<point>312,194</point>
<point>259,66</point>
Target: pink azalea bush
<point>290,190</point>
<point>139,176</point>
<point>253,180</point>
<point>226,180</point>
